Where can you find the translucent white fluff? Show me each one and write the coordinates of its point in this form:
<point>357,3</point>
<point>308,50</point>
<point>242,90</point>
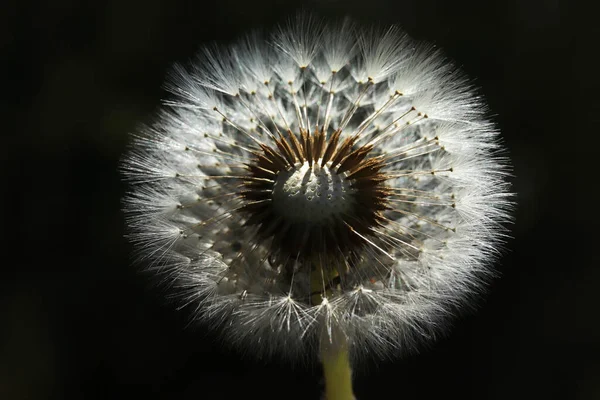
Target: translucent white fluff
<point>447,201</point>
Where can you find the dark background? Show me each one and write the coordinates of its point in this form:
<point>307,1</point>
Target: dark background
<point>77,321</point>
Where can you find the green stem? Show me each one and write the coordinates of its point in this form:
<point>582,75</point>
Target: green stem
<point>336,368</point>
<point>334,346</point>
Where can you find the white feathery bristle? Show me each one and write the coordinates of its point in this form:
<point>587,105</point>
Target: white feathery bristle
<point>300,39</point>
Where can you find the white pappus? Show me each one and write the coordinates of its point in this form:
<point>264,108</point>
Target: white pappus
<point>326,179</point>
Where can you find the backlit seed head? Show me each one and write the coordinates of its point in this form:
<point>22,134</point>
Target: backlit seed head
<point>328,179</point>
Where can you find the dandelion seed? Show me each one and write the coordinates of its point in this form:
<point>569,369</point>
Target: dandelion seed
<point>327,188</point>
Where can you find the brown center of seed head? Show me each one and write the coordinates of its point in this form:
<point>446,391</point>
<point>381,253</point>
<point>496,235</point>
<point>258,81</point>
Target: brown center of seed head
<point>311,196</point>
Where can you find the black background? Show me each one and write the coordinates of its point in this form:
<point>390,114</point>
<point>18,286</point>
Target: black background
<point>77,321</point>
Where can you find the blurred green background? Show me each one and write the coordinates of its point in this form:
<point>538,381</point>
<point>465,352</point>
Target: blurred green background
<point>79,322</point>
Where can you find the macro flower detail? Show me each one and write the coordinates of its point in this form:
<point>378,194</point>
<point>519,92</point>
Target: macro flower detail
<point>327,182</point>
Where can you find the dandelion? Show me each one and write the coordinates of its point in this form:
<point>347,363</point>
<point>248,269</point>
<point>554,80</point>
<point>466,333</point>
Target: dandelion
<point>329,189</point>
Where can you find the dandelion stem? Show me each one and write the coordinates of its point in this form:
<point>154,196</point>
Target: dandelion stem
<point>334,346</point>
<point>336,368</point>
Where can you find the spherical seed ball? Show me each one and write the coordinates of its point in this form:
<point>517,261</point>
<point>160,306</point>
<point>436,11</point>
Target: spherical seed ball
<point>325,179</point>
<point>311,195</point>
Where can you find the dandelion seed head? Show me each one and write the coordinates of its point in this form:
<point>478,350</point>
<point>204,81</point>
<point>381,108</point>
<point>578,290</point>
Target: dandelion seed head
<point>328,178</point>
